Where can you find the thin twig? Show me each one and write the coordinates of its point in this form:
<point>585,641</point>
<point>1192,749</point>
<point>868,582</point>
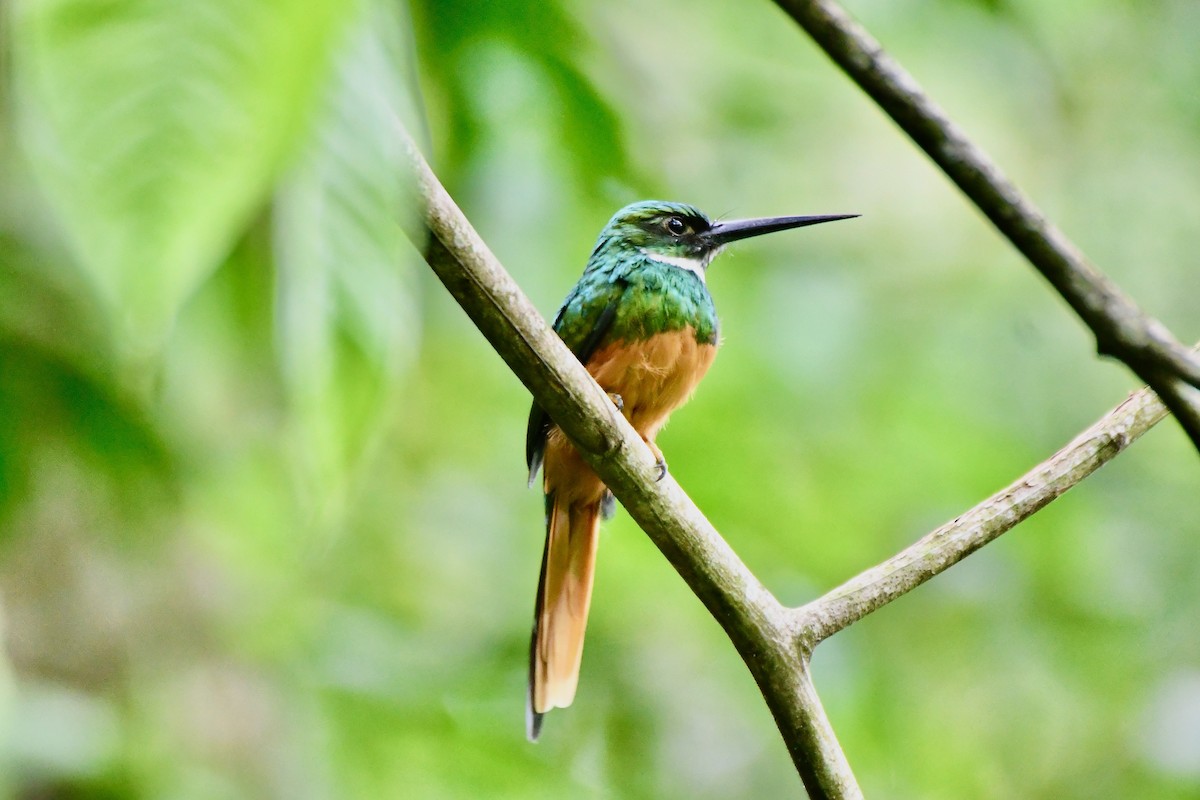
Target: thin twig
<point>1122,330</point>
<point>957,539</point>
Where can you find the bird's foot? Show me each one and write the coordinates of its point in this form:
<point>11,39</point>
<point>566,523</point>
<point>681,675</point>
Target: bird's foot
<point>618,401</point>
<point>660,462</point>
<point>608,505</point>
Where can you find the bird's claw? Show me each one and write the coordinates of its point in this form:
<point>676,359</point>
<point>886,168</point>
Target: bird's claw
<point>618,401</point>
<point>660,462</point>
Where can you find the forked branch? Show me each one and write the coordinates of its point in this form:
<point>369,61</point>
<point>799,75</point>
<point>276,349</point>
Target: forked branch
<point>774,642</point>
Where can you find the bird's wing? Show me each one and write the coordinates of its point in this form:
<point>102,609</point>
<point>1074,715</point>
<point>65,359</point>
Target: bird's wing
<point>582,322</point>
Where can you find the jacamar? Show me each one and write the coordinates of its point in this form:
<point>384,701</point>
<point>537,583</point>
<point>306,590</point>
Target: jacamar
<point>643,323</point>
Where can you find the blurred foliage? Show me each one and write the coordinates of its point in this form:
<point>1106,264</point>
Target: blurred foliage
<point>264,529</point>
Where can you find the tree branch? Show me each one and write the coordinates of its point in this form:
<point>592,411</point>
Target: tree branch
<point>584,411</point>
<point>943,548</point>
<point>1121,328</point>
<point>774,642</point>
<point>754,620</point>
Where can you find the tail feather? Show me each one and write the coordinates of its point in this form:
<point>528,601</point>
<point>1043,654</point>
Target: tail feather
<point>564,596</point>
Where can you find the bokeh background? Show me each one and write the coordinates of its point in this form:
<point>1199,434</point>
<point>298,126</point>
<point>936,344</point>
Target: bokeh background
<point>264,528</point>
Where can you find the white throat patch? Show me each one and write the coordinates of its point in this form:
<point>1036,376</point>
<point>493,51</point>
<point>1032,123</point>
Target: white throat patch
<point>696,266</point>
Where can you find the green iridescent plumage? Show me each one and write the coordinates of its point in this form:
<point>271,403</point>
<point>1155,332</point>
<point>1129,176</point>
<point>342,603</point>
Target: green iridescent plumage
<point>627,294</point>
<point>646,276</point>
<point>650,296</point>
<point>647,296</point>
<point>643,323</point>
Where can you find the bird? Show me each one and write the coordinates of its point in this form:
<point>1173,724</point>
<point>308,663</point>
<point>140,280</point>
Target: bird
<point>642,321</point>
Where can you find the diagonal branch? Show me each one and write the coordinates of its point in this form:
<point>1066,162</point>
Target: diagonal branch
<point>774,642</point>
<point>943,548</point>
<point>754,620</point>
<point>584,411</point>
<point>1121,328</point>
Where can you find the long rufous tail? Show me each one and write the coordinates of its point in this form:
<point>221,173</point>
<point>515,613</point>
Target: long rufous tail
<point>560,618</point>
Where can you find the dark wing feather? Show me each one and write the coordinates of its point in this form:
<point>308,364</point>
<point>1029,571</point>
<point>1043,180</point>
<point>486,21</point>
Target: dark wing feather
<point>598,317</point>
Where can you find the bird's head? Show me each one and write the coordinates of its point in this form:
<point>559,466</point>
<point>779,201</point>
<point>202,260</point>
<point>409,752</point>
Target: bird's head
<point>683,235</point>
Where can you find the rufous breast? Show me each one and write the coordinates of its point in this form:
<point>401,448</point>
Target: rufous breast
<point>653,376</point>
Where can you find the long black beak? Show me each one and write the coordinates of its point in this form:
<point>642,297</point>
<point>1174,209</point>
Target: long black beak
<point>725,232</point>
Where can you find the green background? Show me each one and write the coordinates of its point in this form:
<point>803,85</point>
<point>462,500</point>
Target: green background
<point>264,529</point>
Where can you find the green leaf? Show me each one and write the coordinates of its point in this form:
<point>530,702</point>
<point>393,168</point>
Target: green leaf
<point>555,39</point>
<point>347,318</point>
<point>156,128</point>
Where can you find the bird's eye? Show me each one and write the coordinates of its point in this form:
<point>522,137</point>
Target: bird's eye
<point>676,226</point>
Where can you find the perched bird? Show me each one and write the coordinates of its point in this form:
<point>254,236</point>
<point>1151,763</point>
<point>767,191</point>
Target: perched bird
<point>643,323</point>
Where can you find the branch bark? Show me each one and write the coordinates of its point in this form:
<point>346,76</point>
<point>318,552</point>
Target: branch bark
<point>775,642</point>
<point>756,623</point>
<point>1122,330</point>
<point>943,548</point>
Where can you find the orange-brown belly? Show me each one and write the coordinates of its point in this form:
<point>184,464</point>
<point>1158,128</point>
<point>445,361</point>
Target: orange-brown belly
<point>653,378</point>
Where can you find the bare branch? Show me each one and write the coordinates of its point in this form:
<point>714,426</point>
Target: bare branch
<point>754,620</point>
<point>1121,328</point>
<point>774,642</point>
<point>809,736</point>
<point>957,539</point>
<point>584,411</point>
